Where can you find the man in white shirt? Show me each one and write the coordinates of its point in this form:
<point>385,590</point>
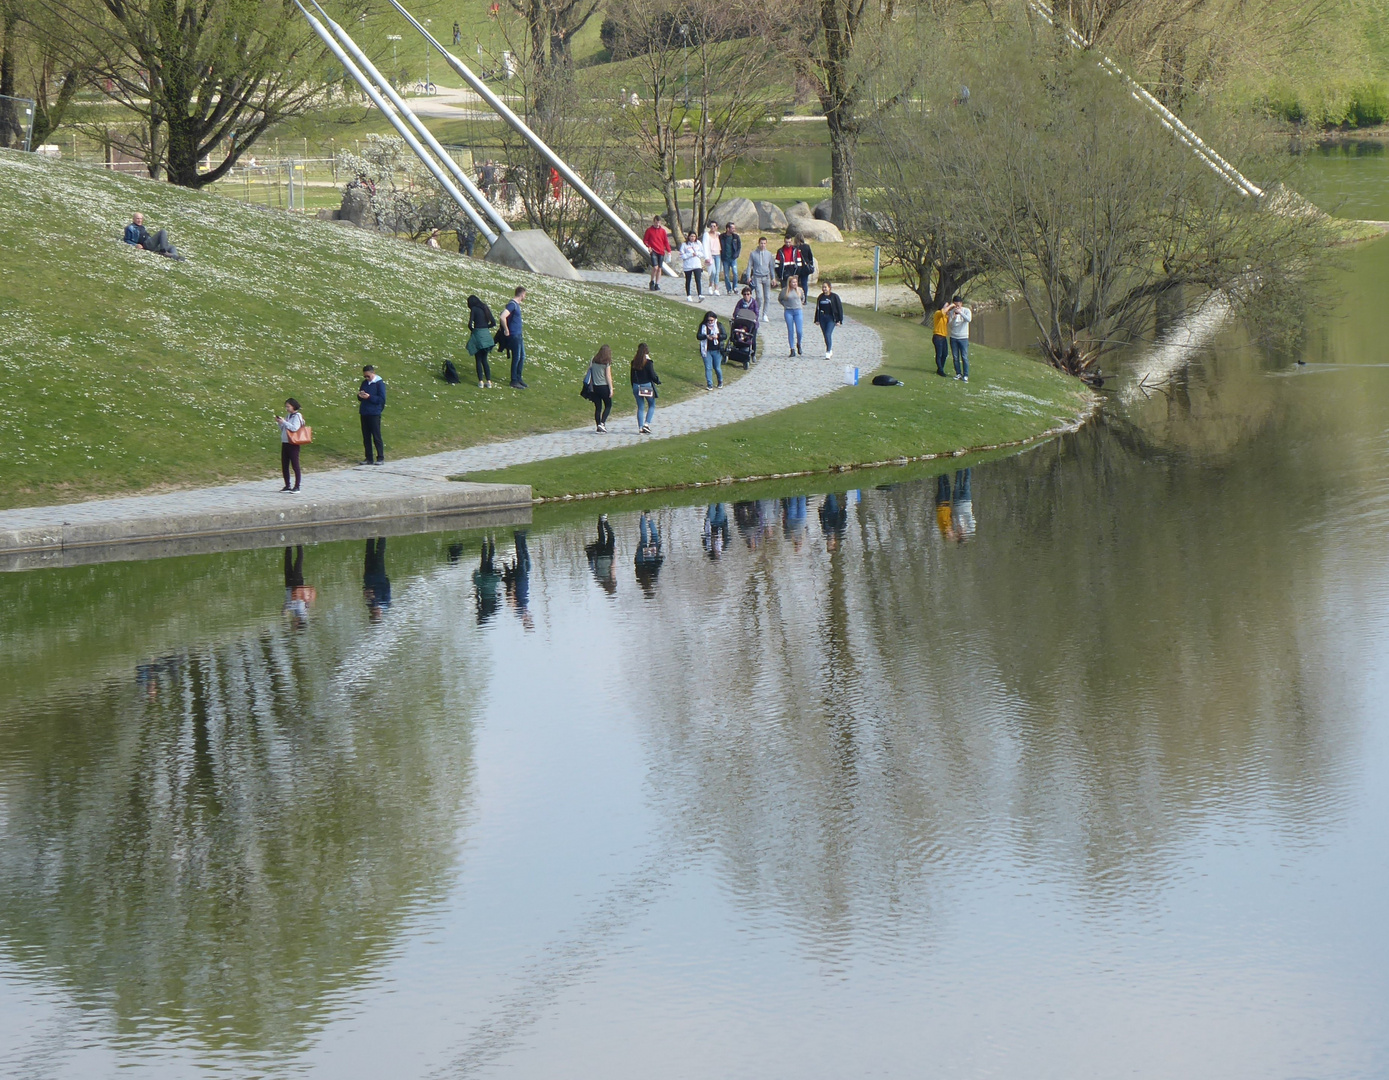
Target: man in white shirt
<point>957,317</point>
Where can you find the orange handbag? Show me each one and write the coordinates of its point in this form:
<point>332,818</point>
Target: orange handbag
<point>303,436</point>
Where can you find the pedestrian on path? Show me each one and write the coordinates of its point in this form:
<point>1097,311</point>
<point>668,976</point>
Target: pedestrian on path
<point>292,421</point>
<point>747,306</point>
<point>792,299</point>
<point>732,248</point>
<point>692,262</point>
<point>600,381</point>
<point>712,338</point>
<point>644,383</point>
<point>785,262</point>
<point>761,269</point>
<point>829,313</point>
<point>657,242</point>
<point>958,315</point>
<point>371,404</point>
<point>805,263</point>
<point>480,339</point>
<point>940,335</point>
<point>713,255</point>
<point>515,343</point>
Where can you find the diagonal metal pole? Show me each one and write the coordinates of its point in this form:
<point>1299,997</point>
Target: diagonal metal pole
<point>405,133</point>
<point>426,136</point>
<point>536,142</point>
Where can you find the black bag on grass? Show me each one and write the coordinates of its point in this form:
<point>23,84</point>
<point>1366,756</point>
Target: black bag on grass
<point>886,380</point>
<point>451,373</point>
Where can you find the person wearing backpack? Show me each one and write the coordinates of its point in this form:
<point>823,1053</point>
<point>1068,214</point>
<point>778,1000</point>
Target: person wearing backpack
<point>829,313</point>
<point>291,424</point>
<point>480,339</point>
<point>712,340</point>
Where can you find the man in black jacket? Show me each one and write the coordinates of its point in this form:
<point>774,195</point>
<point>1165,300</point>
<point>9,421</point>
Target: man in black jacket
<point>732,246</point>
<point>371,404</point>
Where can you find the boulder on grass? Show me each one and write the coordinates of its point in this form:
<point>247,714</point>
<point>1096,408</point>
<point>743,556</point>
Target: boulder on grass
<point>770,217</point>
<point>801,221</point>
<point>356,208</point>
<point>742,212</point>
<point>824,210</point>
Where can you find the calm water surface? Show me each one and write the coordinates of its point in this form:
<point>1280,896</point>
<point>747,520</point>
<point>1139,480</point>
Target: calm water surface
<point>1070,764</point>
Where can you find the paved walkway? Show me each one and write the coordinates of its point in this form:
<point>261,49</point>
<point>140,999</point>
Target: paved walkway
<point>414,487</point>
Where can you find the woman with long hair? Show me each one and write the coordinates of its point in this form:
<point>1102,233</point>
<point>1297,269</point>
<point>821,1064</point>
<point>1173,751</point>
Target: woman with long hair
<point>481,340</point>
<point>600,381</point>
<point>692,262</point>
<point>644,383</point>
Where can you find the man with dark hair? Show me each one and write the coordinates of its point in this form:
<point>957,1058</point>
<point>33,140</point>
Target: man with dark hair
<point>511,330</point>
<point>370,405</point>
<point>657,242</point>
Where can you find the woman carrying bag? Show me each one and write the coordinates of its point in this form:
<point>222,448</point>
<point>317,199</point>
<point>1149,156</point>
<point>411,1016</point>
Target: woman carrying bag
<point>294,433</point>
<point>480,339</point>
<point>644,383</point>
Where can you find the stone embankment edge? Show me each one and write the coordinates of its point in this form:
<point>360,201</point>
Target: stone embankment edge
<point>1051,433</point>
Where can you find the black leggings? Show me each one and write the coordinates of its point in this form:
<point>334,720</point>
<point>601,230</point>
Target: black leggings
<point>484,369</point>
<point>698,277</point>
<point>289,455</point>
<point>602,408</point>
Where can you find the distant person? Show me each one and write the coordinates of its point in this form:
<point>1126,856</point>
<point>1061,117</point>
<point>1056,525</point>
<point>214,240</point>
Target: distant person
<point>761,271</point>
<point>467,237</point>
<point>829,313</point>
<point>371,404</point>
<point>486,581</point>
<point>692,263</point>
<point>600,556</point>
<point>786,262</point>
<point>376,586</point>
<point>644,383</point>
<point>747,307</point>
<point>480,339</point>
<point>792,298</point>
<point>136,235</point>
<point>511,334</point>
<point>648,558</point>
<point>713,339</point>
<point>805,263</point>
<point>516,578</point>
<point>292,421</point>
<point>657,242</point>
<point>940,335</point>
<point>600,382</point>
<point>713,255</point>
<point>732,248</point>
<point>958,317</point>
<point>457,34</point>
<point>433,242</point>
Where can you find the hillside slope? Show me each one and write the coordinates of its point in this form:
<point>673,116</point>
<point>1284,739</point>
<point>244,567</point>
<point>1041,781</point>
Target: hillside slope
<point>125,371</point>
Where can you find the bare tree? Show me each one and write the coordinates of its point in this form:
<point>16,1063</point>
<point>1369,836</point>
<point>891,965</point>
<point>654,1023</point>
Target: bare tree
<point>551,26</point>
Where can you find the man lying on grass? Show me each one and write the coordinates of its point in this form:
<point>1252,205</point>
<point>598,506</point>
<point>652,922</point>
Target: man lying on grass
<point>137,236</point>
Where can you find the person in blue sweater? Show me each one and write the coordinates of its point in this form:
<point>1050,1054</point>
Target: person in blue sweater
<point>371,404</point>
<point>137,236</point>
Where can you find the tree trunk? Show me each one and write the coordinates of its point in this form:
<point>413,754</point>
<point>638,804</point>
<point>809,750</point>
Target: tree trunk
<point>182,156</point>
<point>48,116</point>
<point>11,130</point>
<point>844,133</point>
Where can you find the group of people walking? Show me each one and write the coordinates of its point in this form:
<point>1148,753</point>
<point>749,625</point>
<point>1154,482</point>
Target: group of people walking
<point>599,383</point>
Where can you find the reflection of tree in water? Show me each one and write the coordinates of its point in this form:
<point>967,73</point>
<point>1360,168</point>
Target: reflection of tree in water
<point>1082,689</point>
<point>222,853</point>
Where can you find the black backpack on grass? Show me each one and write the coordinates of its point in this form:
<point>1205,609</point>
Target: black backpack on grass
<point>451,373</point>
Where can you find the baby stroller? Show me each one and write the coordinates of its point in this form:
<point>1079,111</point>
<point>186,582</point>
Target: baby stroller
<point>742,341</point>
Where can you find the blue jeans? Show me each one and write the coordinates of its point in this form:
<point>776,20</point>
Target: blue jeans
<point>942,344</point>
<point>518,358</point>
<point>714,273</point>
<point>713,365</point>
<point>827,328</point>
<point>730,274</point>
<point>645,405</point>
<point>959,353</point>
<point>795,326</point>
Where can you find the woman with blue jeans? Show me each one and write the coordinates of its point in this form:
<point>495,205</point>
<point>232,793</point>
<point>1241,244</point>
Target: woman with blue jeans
<point>793,301</point>
<point>712,337</point>
<point>644,383</point>
<point>829,313</point>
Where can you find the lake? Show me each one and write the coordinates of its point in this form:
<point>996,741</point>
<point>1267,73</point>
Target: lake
<point>1068,763</point>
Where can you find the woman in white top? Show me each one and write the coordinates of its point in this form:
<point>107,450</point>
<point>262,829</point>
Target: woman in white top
<point>292,420</point>
<point>713,255</point>
<point>692,262</point>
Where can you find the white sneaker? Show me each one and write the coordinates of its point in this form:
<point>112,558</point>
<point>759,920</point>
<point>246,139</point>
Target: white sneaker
<point>482,385</point>
<point>964,378</point>
<point>829,356</point>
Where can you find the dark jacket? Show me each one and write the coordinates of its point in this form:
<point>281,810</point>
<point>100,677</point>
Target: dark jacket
<point>135,235</point>
<point>805,259</point>
<point>479,314</point>
<point>732,245</point>
<point>702,334</point>
<point>786,262</point>
<point>375,404</point>
<point>647,375</point>
<point>828,309</point>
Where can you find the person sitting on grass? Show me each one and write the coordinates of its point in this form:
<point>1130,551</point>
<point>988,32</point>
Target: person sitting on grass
<point>137,236</point>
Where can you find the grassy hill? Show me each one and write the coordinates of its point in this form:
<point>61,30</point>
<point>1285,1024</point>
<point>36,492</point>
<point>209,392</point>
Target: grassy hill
<point>128,372</point>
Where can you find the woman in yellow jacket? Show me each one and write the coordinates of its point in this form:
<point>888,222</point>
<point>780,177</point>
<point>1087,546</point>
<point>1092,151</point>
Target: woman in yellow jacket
<point>940,336</point>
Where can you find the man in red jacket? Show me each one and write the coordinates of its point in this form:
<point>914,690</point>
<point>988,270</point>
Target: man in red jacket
<point>657,242</point>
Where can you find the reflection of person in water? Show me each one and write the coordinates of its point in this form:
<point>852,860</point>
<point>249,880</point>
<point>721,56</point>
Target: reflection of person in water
<point>151,676</point>
<point>376,586</point>
<point>517,579</point>
<point>600,555</point>
<point>834,518</point>
<point>962,507</point>
<point>793,513</point>
<point>486,580</point>
<point>715,529</point>
<point>298,596</point>
<point>943,506</point>
<point>648,557</point>
<point>747,517</point>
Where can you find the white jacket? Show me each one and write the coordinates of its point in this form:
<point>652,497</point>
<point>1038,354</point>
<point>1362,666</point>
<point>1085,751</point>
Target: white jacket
<point>691,255</point>
<point>713,247</point>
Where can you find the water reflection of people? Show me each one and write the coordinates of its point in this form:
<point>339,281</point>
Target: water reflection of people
<point>516,577</point>
<point>298,596</point>
<point>793,515</point>
<point>962,507</point>
<point>715,534</point>
<point>648,558</point>
<point>600,555</point>
<point>486,580</point>
<point>943,522</point>
<point>151,676</point>
<point>834,518</point>
<point>749,521</point>
<point>376,586</point>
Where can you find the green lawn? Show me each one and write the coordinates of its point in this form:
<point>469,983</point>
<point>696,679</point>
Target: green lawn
<point>1009,398</point>
<point>127,372</point>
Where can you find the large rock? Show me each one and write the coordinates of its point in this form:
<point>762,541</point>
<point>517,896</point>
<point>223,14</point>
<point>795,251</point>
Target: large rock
<point>356,208</point>
<point>770,217</point>
<point>742,212</point>
<point>801,221</point>
<point>533,250</point>
<point>824,210</point>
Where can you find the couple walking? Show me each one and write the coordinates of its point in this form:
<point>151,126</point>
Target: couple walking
<point>598,387</point>
<point>829,313</point>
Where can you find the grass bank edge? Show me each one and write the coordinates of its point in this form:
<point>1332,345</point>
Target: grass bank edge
<point>854,428</point>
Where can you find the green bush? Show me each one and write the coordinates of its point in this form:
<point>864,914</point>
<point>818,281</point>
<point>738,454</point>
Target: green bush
<point>1368,107</point>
